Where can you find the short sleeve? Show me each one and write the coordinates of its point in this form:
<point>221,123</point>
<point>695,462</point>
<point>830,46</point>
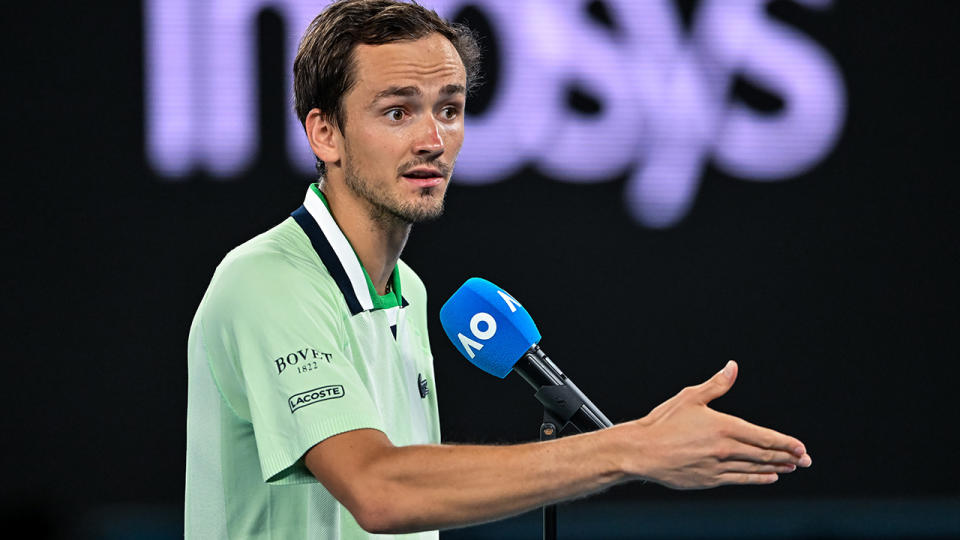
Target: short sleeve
<point>283,362</point>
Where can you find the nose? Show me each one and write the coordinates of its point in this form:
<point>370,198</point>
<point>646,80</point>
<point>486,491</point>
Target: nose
<point>429,142</point>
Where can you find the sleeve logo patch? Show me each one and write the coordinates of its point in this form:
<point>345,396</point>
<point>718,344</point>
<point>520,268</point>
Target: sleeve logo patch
<point>306,358</point>
<point>310,397</point>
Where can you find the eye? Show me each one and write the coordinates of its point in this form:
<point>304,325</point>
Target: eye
<point>396,114</point>
<point>449,112</point>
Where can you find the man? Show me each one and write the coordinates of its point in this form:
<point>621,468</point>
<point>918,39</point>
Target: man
<point>309,411</point>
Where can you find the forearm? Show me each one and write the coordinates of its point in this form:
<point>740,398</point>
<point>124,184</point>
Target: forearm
<point>438,486</point>
<point>681,444</point>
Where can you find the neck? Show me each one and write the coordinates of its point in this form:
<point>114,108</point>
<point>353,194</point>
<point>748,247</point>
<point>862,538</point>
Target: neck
<point>377,238</point>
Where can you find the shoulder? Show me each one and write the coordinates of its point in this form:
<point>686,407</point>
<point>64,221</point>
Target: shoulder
<point>275,271</point>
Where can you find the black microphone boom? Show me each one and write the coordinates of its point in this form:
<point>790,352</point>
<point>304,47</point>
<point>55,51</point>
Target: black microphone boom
<point>559,396</point>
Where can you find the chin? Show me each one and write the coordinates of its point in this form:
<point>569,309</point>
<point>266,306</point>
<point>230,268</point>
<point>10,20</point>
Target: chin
<point>424,210</point>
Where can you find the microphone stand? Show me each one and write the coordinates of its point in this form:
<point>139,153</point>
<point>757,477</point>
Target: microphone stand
<point>564,407</point>
<point>549,431</point>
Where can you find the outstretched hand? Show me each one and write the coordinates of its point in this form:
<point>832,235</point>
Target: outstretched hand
<point>684,444</point>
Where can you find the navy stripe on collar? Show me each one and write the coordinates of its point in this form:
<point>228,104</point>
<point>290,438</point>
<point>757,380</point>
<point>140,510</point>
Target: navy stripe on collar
<point>328,257</point>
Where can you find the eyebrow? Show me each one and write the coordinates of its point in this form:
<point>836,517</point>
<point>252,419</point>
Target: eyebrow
<point>411,91</point>
<point>453,89</point>
<point>398,91</point>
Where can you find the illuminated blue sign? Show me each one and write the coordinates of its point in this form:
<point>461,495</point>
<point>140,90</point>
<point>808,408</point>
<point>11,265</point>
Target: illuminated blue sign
<point>664,94</point>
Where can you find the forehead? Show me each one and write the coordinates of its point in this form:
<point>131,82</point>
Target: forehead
<point>426,62</point>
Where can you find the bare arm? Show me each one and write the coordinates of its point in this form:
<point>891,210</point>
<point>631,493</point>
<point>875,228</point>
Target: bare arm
<point>681,444</point>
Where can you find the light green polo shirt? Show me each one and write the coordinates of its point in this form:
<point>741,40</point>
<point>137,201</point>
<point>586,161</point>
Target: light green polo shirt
<point>291,345</point>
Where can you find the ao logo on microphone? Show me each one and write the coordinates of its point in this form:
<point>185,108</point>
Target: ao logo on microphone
<point>483,327</point>
<point>663,92</point>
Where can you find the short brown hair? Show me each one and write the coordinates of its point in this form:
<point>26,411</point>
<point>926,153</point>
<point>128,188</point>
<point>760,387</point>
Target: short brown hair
<point>323,72</point>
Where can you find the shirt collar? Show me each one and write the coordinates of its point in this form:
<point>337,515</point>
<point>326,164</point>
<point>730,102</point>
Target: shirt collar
<point>340,259</point>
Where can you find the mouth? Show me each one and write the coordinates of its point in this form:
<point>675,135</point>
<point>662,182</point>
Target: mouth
<point>424,177</point>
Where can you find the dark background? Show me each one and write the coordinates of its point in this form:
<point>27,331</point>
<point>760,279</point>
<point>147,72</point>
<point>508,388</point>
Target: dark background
<point>836,290</point>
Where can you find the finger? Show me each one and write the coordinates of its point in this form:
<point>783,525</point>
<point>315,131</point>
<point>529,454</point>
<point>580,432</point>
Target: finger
<point>717,385</point>
<point>745,452</point>
<point>748,467</point>
<point>762,437</point>
<point>747,478</point>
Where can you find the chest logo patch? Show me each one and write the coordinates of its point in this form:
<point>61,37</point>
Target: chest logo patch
<point>422,386</point>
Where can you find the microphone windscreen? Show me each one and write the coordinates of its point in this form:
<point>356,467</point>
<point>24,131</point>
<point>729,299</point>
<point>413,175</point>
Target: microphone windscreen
<point>488,326</point>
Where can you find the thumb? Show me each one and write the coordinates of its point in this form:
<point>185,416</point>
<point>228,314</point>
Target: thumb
<point>719,384</point>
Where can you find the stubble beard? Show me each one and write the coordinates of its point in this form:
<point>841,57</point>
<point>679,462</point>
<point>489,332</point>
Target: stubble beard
<point>385,206</point>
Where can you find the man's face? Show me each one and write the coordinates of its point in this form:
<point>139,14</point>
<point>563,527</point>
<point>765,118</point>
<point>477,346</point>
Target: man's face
<point>404,126</point>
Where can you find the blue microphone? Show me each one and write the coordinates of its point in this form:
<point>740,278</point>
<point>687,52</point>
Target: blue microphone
<point>496,334</point>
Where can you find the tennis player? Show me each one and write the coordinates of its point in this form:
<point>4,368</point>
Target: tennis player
<point>312,409</point>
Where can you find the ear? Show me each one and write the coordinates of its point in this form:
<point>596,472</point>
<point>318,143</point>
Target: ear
<point>324,136</point>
